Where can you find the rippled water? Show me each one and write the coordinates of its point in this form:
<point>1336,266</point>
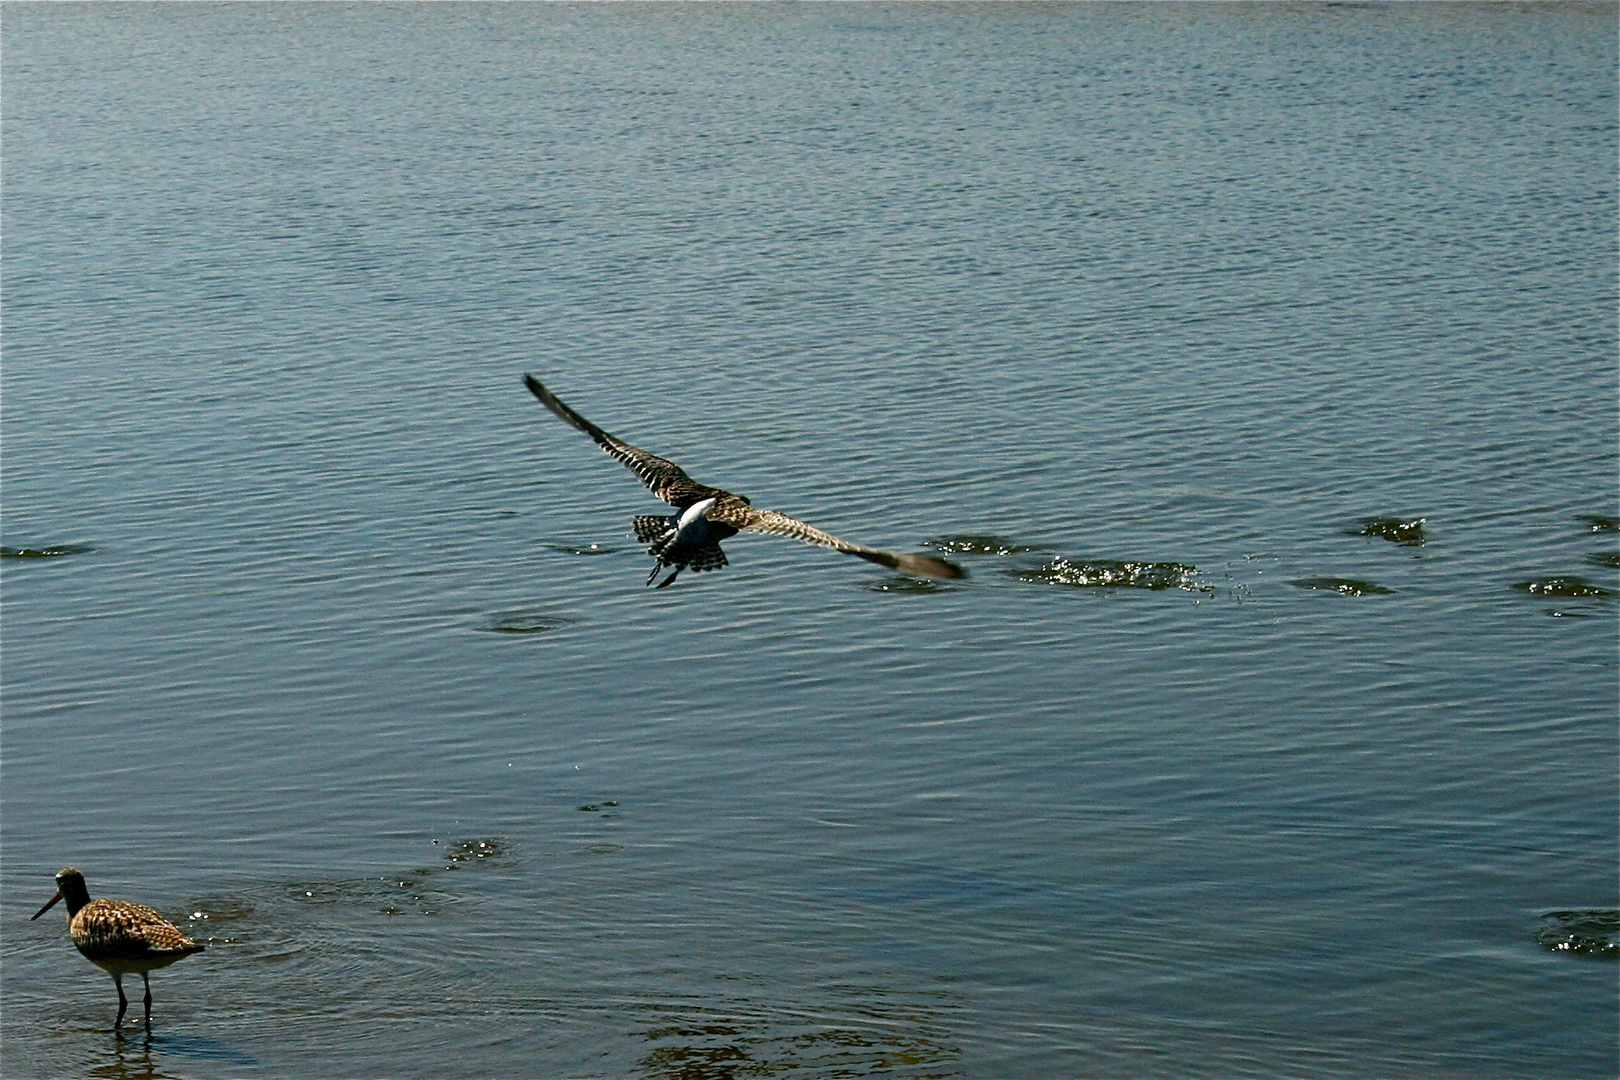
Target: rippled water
<point>1258,362</point>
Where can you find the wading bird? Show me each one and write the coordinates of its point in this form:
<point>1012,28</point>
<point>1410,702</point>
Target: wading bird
<point>119,938</point>
<point>709,515</point>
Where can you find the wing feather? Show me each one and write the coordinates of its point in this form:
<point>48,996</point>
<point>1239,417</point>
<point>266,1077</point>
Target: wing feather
<point>663,478</point>
<point>772,523</point>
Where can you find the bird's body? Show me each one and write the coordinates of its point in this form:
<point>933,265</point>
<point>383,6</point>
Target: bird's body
<point>710,514</point>
<point>118,937</point>
<point>686,539</point>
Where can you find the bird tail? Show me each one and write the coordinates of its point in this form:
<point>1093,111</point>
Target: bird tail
<point>708,557</point>
<point>659,533</point>
<point>650,527</point>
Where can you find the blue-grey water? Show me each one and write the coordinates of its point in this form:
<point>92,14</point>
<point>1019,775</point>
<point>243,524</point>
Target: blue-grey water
<point>322,637</point>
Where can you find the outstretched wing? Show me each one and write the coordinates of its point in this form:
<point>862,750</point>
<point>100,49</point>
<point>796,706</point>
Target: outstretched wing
<point>664,479</point>
<point>772,523</point>
<point>669,482</point>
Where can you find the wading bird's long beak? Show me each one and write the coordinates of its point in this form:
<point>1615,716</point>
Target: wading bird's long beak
<point>48,905</point>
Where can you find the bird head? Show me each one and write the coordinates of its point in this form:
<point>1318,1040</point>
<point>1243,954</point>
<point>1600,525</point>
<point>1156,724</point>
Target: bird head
<point>69,887</point>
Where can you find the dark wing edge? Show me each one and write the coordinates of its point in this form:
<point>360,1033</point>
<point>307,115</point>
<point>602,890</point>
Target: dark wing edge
<point>771,523</point>
<point>663,478</point>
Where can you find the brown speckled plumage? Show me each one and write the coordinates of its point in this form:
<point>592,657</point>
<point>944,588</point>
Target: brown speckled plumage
<point>730,514</point>
<point>119,937</point>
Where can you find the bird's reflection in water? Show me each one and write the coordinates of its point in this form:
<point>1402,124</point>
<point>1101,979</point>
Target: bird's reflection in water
<point>131,1060</point>
<point>134,1053</point>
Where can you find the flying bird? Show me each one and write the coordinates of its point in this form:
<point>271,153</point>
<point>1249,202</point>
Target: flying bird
<point>118,937</point>
<point>708,515</point>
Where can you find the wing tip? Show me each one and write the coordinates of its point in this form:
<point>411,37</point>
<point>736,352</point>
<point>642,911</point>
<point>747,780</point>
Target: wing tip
<point>928,566</point>
<point>914,565</point>
<point>561,408</point>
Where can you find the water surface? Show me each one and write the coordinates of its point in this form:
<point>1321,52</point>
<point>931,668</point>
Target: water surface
<point>324,638</point>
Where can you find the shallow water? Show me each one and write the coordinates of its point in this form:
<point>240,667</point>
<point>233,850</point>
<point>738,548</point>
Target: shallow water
<point>324,638</point>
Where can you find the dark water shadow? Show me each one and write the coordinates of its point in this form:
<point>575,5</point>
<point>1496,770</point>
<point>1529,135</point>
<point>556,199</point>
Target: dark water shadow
<point>53,551</point>
<point>133,1050</point>
<point>1343,586</point>
<point>1407,532</point>
<point>197,1047</point>
<point>873,1032</point>
<point>1608,559</point>
<point>1591,932</point>
<point>899,583</point>
<point>570,548</point>
<point>524,622</point>
<point>1600,524</point>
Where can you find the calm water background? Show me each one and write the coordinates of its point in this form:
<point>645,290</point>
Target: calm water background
<point>326,677</point>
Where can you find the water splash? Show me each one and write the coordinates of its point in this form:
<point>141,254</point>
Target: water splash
<point>1585,932</point>
<point>1113,574</point>
<point>1562,585</point>
<point>1395,530</point>
<point>979,545</point>
<point>473,851</point>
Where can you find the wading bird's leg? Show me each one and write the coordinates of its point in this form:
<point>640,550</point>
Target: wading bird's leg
<point>656,568</point>
<point>148,984</point>
<point>123,1002</point>
<point>669,579</point>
